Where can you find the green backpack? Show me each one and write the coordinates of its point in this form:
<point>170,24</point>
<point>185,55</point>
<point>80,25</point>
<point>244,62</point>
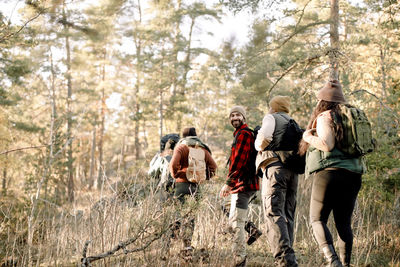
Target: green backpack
<point>357,134</point>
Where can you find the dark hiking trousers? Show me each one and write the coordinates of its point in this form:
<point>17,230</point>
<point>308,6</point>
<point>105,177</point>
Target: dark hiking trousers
<point>186,225</point>
<point>279,190</point>
<point>334,190</point>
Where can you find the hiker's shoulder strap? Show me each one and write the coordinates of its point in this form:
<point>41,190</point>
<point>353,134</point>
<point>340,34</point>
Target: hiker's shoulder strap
<point>246,129</point>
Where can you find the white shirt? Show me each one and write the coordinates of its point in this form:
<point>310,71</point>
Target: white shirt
<point>265,134</point>
<point>322,135</point>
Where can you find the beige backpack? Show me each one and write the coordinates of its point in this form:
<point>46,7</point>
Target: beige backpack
<point>196,171</point>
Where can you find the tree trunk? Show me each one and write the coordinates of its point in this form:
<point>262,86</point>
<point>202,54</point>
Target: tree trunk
<point>334,39</point>
<point>138,44</point>
<point>92,159</point>
<point>52,119</point>
<point>161,112</point>
<point>123,154</point>
<point>383,69</point>
<point>100,174</point>
<point>69,115</point>
<point>4,183</point>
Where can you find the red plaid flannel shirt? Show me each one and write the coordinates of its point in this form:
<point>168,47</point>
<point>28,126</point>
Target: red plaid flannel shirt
<point>239,176</point>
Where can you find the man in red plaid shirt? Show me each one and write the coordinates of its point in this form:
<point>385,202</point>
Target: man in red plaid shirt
<point>242,182</point>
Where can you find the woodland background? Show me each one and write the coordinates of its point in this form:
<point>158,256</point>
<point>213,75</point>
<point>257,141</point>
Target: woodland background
<point>87,88</point>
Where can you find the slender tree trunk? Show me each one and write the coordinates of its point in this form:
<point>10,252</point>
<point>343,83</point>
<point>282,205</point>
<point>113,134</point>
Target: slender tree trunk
<point>161,97</point>
<point>137,120</point>
<point>182,90</point>
<point>161,112</point>
<point>92,159</point>
<point>4,182</point>
<point>32,223</point>
<point>383,69</point>
<point>175,82</point>
<point>123,150</point>
<point>100,174</point>
<point>53,116</point>
<point>138,44</point>
<point>69,115</point>
<point>334,39</point>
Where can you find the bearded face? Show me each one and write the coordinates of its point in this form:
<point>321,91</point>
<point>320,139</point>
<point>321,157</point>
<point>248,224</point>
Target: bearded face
<point>237,119</point>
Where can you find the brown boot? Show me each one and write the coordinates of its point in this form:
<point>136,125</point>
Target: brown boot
<point>240,261</point>
<point>254,232</point>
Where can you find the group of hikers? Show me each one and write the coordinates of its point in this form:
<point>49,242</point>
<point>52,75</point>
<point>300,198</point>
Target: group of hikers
<point>272,157</point>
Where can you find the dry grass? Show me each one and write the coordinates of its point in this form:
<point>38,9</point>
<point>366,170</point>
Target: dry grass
<point>131,212</point>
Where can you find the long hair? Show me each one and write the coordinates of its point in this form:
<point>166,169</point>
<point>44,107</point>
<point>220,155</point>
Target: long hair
<point>335,112</point>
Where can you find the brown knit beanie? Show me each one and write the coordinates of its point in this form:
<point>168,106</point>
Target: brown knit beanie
<point>280,103</point>
<point>190,131</point>
<point>239,109</point>
<point>332,92</point>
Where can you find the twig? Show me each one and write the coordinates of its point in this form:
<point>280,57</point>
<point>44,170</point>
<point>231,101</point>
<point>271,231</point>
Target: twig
<point>21,148</point>
<point>21,28</point>
<point>307,60</point>
<point>380,101</point>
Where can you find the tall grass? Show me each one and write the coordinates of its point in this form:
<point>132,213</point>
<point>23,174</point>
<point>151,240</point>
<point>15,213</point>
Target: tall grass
<point>130,211</point>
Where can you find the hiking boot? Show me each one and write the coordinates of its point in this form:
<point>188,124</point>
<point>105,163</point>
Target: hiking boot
<point>345,256</point>
<point>240,261</point>
<point>331,256</point>
<point>254,232</point>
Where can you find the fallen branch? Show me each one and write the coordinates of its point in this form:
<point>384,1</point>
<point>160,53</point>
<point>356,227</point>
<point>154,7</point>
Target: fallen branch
<point>86,261</point>
<point>122,245</point>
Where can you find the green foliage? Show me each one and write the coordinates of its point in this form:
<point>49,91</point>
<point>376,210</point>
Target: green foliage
<point>27,127</point>
<point>17,69</point>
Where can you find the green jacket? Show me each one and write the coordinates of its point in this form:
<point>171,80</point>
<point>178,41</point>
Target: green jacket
<point>317,160</point>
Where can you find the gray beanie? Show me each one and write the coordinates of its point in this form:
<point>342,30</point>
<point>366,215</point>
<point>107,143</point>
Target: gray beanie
<point>239,109</point>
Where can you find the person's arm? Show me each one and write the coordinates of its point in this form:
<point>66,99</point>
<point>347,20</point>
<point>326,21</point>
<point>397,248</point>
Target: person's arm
<point>265,134</point>
<point>322,137</point>
<point>154,169</point>
<point>239,158</point>
<point>211,165</point>
<point>175,166</point>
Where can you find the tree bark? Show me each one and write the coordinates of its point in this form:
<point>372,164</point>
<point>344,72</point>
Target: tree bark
<point>382,51</point>
<point>70,182</point>
<point>100,174</point>
<point>334,40</point>
<point>138,45</point>
<point>4,182</point>
<point>92,159</point>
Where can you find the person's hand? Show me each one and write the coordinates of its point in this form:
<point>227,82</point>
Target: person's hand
<point>225,191</point>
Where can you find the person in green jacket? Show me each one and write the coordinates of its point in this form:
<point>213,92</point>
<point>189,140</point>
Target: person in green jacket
<point>336,175</point>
